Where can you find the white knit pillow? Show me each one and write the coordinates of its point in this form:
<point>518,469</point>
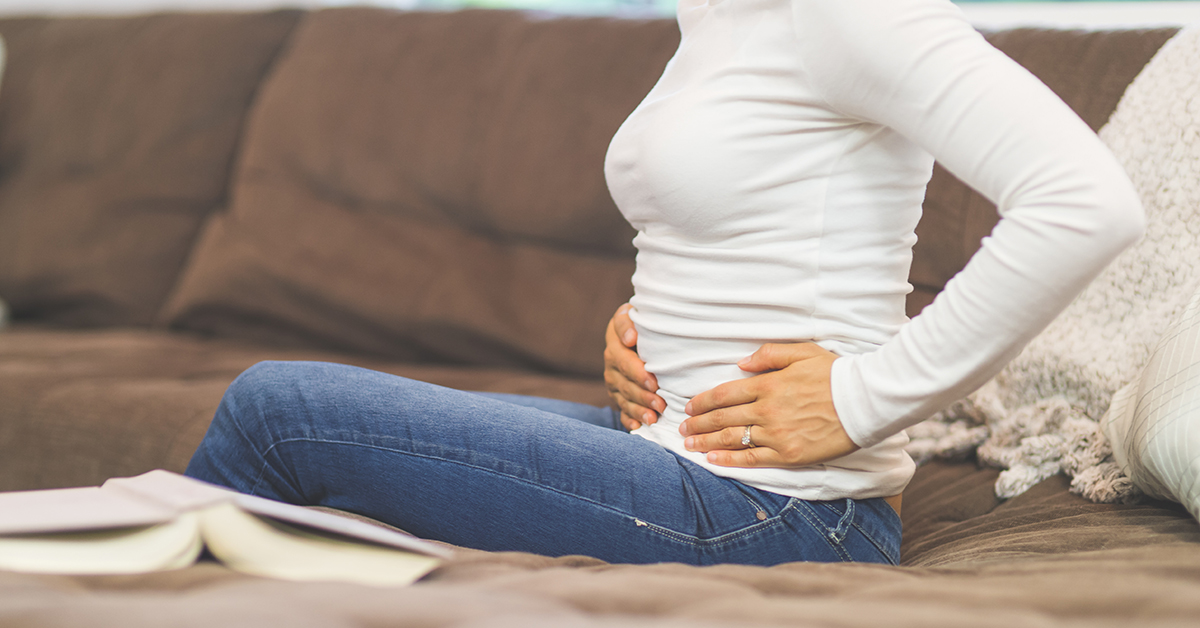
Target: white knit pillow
<point>1038,417</point>
<point>1154,422</point>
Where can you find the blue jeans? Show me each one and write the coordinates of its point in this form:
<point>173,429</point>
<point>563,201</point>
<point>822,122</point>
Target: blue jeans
<point>505,472</point>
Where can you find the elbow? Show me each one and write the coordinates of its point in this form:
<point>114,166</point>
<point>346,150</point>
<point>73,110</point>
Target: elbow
<point>1121,220</point>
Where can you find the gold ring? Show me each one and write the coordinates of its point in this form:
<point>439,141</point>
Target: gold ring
<point>746,442</point>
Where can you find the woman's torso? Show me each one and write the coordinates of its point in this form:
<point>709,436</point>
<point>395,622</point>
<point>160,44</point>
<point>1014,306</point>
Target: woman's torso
<point>763,215</point>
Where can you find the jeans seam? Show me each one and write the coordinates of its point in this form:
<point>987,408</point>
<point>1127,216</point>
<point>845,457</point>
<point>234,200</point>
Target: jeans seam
<point>878,546</point>
<point>715,541</point>
<point>823,530</point>
<point>869,537</point>
<point>448,460</point>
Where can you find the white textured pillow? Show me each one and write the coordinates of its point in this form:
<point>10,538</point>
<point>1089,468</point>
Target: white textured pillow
<point>1154,422</point>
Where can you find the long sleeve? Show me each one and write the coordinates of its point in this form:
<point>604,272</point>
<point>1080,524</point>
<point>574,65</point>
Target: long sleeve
<point>1067,208</point>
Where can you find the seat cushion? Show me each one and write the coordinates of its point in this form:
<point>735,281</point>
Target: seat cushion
<point>82,406</point>
<point>953,518</point>
<point>1153,586</point>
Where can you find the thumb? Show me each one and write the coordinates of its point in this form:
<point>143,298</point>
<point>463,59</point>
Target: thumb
<point>776,356</point>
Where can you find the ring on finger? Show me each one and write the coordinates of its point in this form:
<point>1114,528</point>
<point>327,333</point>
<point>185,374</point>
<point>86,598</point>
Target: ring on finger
<point>746,440</point>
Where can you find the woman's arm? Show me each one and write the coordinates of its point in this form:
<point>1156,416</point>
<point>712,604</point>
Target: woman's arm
<point>1066,206</point>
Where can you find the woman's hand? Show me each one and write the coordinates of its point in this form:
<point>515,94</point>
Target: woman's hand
<point>629,385</point>
<point>788,406</point>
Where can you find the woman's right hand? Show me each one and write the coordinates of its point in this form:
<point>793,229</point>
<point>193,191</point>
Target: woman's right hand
<point>631,387</point>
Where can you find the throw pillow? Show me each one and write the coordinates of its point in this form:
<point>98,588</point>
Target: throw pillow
<point>1154,422</point>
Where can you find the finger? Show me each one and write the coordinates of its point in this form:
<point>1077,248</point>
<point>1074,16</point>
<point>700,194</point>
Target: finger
<point>717,420</point>
<point>629,423</point>
<point>641,414</point>
<point>726,438</point>
<point>776,356</point>
<point>641,398</point>
<point>630,365</point>
<point>625,362</point>
<point>630,408</point>
<point>623,325</point>
<point>750,458</point>
<point>737,392</point>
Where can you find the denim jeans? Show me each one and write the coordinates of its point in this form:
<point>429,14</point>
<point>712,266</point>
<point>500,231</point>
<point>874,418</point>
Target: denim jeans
<point>505,472</point>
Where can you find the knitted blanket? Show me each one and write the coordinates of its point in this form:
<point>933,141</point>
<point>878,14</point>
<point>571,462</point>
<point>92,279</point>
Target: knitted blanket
<point>1038,417</point>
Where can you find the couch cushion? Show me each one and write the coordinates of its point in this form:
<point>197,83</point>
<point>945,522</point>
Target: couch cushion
<point>1146,587</point>
<point>953,518</point>
<point>1089,70</point>
<point>430,186</point>
<point>82,406</point>
<point>117,138</point>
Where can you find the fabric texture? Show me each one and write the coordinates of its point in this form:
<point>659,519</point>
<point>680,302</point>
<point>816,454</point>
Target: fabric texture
<point>466,221</point>
<point>83,406</point>
<point>1039,416</point>
<point>1089,70</point>
<point>794,221</point>
<point>1047,558</point>
<point>1153,423</point>
<point>117,138</point>
<point>527,474</point>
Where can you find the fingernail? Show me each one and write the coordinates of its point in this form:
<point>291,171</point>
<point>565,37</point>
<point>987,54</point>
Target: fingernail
<point>688,408</point>
<point>649,385</point>
<point>744,362</point>
<point>712,457</point>
<point>659,405</point>
<point>689,443</point>
<point>648,418</point>
<point>628,337</point>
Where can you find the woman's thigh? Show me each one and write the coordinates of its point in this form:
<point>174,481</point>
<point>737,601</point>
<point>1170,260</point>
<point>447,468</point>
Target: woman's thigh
<point>480,472</point>
<point>600,417</point>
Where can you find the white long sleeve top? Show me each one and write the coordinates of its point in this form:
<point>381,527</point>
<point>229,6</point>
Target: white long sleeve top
<point>775,175</point>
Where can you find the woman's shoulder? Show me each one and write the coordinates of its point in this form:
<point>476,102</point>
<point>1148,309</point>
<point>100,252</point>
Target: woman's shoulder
<point>862,54</point>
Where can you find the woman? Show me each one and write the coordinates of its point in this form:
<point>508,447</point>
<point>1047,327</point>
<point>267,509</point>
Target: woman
<point>775,175</point>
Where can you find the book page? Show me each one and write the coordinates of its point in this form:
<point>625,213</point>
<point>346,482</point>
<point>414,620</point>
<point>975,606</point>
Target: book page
<point>69,509</point>
<point>340,525</point>
<point>250,544</point>
<point>176,491</point>
<point>171,545</point>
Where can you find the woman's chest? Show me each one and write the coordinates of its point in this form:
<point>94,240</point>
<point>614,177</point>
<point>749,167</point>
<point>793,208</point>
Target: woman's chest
<point>731,140</point>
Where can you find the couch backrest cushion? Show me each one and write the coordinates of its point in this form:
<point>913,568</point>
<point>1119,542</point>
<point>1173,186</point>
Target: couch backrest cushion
<point>117,137</point>
<point>1089,70</point>
<point>429,186</point>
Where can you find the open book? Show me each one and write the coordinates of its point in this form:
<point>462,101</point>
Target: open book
<point>162,520</point>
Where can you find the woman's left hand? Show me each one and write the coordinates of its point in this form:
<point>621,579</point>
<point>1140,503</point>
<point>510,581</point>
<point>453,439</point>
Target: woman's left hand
<point>788,406</point>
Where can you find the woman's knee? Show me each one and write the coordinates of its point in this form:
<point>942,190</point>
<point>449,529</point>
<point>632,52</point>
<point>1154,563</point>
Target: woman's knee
<point>263,391</point>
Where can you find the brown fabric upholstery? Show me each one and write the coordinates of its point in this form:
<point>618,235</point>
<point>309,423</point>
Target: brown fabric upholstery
<point>1089,70</point>
<point>117,137</point>
<point>952,517</point>
<point>428,187</point>
<point>997,576</point>
<point>82,406</point>
<point>424,201</point>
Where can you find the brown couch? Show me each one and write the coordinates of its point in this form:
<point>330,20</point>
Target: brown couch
<point>182,196</point>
